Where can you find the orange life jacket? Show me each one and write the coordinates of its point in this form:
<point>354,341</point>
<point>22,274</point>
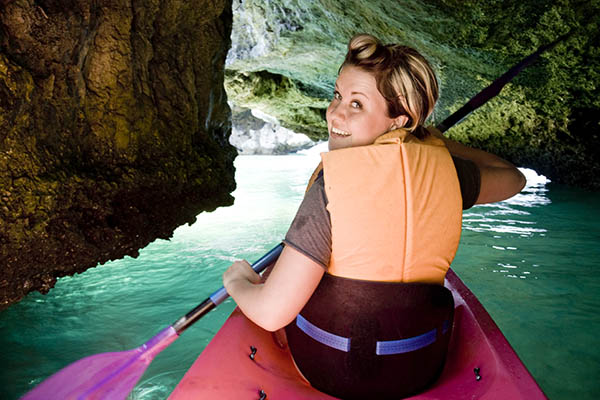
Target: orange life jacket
<point>395,207</point>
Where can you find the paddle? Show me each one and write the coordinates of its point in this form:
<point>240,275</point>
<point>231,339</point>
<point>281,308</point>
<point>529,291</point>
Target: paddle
<point>495,87</point>
<point>113,375</point>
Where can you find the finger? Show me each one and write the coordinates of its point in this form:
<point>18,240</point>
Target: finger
<point>250,273</point>
<point>241,270</point>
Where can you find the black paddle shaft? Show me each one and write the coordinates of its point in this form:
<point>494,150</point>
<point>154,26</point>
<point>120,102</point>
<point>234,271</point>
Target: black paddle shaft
<point>220,295</point>
<point>495,87</point>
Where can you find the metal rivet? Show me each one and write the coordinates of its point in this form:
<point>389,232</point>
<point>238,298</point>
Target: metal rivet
<point>477,376</point>
<point>253,352</point>
<point>262,395</point>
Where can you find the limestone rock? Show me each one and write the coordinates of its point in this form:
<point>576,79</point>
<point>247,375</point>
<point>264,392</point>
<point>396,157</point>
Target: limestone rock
<point>286,54</point>
<point>254,132</point>
<point>114,130</point>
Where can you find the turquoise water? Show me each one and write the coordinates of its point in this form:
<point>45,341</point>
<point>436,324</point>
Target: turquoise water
<point>531,261</point>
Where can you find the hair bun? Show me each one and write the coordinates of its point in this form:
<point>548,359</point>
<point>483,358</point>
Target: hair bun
<point>363,46</point>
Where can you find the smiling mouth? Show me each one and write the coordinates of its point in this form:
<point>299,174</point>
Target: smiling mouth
<point>340,132</point>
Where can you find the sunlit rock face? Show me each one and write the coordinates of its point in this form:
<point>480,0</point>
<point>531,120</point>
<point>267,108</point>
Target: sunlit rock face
<point>286,53</point>
<point>114,130</point>
<point>254,132</point>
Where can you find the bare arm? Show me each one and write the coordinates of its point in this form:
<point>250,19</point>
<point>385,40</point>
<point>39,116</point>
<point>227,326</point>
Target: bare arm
<point>275,303</point>
<point>500,179</point>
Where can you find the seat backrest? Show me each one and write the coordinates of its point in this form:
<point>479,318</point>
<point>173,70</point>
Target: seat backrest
<point>366,339</point>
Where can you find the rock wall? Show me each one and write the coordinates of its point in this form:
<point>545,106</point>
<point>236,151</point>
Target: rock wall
<point>114,123</point>
<point>254,132</point>
<point>286,54</point>
<point>114,130</point>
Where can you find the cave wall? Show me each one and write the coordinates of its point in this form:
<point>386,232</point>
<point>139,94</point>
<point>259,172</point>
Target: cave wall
<point>114,124</point>
<point>286,53</point>
<point>113,130</point>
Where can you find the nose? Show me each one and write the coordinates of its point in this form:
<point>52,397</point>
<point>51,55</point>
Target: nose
<point>335,111</point>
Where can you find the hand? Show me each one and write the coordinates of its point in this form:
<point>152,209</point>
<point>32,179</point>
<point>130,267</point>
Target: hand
<point>239,271</point>
<point>275,303</point>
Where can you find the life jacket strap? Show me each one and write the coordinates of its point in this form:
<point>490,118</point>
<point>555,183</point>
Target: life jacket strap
<point>382,348</point>
<point>322,336</point>
<point>407,345</point>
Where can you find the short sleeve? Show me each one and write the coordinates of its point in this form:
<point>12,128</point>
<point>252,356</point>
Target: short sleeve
<point>310,231</point>
<point>469,178</point>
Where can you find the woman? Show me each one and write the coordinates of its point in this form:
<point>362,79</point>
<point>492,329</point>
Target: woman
<point>387,204</point>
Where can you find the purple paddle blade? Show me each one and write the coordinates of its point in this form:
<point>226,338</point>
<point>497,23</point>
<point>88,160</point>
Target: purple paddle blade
<point>105,375</point>
<point>113,375</point>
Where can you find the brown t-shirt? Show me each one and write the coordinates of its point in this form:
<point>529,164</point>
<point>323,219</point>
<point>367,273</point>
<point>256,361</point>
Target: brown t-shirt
<point>310,231</point>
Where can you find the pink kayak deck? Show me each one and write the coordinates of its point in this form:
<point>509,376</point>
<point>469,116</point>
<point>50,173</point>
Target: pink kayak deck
<point>224,370</point>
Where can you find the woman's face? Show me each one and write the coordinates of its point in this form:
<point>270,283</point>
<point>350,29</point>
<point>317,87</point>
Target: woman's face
<point>357,114</point>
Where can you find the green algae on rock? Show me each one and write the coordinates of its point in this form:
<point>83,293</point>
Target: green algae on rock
<point>545,120</point>
<point>113,130</point>
<point>280,96</point>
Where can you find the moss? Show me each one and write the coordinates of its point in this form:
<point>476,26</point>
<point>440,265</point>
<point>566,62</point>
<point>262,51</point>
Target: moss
<point>16,88</point>
<point>310,54</point>
<point>122,134</point>
<point>16,82</point>
<point>285,99</point>
<point>113,132</point>
<point>550,110</point>
<point>559,87</point>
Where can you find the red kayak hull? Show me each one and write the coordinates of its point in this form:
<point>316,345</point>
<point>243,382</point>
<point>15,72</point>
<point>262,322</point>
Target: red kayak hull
<point>224,370</point>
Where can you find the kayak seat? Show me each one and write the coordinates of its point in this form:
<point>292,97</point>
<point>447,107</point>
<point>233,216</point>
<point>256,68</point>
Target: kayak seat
<point>357,339</point>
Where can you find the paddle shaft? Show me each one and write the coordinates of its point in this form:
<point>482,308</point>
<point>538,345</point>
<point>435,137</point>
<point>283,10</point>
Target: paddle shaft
<point>220,295</point>
<point>495,87</point>
<point>113,375</point>
<point>477,101</point>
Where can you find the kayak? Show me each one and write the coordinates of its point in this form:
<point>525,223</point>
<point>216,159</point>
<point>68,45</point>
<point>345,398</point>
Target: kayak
<point>243,361</point>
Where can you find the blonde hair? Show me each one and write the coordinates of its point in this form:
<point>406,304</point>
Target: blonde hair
<point>404,78</point>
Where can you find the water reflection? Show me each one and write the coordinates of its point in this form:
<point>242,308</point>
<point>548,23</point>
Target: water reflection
<point>535,192</point>
<point>493,234</point>
<point>510,216</point>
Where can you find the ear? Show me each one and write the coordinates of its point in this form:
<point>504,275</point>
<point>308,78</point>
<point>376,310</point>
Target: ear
<point>399,122</point>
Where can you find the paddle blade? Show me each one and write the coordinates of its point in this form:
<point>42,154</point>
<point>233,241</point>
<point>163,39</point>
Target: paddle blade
<point>105,375</point>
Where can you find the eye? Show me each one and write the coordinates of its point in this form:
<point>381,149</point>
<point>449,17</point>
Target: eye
<point>337,95</point>
<point>356,104</point>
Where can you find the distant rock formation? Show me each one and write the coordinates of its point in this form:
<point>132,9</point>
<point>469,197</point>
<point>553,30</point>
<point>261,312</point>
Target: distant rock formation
<point>114,130</point>
<point>286,54</point>
<point>254,132</point>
